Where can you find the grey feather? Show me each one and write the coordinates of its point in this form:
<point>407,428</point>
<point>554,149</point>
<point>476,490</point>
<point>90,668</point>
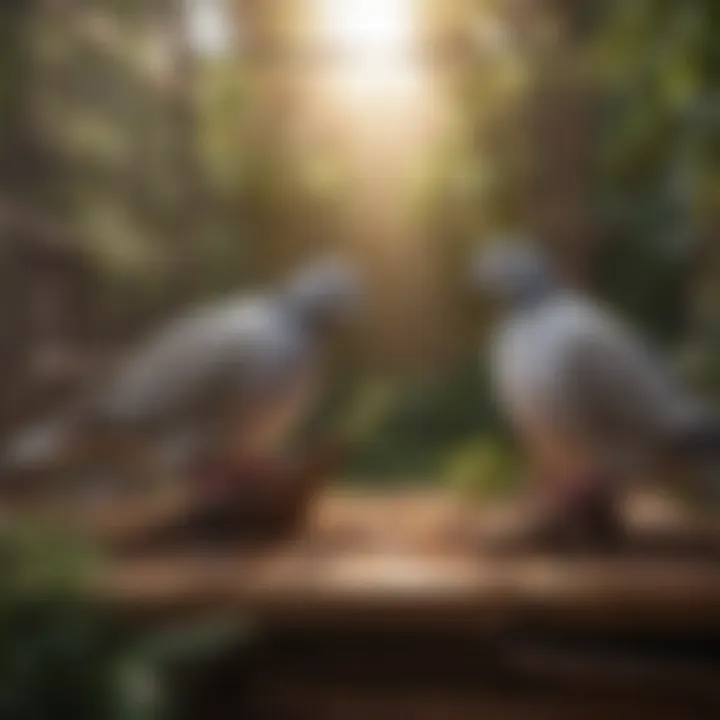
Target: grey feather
<point>567,367</point>
<point>218,361</point>
<point>204,361</point>
<point>36,445</point>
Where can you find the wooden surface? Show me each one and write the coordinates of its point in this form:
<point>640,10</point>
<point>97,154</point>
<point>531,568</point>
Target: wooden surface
<point>404,560</point>
<point>387,607</point>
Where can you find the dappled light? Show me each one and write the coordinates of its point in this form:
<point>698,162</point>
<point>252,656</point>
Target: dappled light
<point>359,359</point>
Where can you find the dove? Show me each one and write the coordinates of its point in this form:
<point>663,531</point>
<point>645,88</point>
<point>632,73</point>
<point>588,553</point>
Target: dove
<point>590,400</point>
<point>225,382</point>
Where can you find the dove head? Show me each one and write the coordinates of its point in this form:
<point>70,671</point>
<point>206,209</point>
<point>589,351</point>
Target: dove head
<point>326,294</point>
<point>514,275</point>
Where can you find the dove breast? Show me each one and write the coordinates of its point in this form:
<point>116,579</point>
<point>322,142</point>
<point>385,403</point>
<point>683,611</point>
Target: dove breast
<point>239,353</point>
<point>570,376</point>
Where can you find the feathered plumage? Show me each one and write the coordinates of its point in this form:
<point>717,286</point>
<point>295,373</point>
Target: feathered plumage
<point>589,399</point>
<point>239,371</point>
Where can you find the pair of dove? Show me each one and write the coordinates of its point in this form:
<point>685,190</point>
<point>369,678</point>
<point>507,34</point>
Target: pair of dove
<point>587,398</point>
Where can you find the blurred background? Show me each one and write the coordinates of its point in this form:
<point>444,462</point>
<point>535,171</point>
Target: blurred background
<point>156,153</point>
<point>161,152</point>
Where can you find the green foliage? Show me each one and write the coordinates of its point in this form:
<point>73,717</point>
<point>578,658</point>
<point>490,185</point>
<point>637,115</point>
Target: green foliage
<point>484,468</point>
<point>61,656</point>
<point>57,655</point>
<point>648,282</point>
<point>426,420</point>
<point>38,560</point>
<point>658,146</point>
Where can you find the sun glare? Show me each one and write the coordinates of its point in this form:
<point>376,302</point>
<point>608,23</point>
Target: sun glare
<point>367,27</point>
<point>378,92</point>
<point>209,28</point>
<point>371,43</point>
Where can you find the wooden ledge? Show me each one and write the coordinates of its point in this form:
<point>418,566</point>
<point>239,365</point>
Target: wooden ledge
<point>394,558</point>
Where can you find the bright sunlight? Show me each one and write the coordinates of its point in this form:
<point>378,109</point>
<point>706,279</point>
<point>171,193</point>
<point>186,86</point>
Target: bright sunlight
<point>367,28</point>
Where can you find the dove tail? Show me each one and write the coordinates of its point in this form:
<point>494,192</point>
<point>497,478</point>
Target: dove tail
<point>700,440</point>
<point>699,443</point>
<point>39,445</point>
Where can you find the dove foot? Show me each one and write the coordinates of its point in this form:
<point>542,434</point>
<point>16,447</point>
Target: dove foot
<point>233,508</point>
<point>217,530</point>
<point>580,523</point>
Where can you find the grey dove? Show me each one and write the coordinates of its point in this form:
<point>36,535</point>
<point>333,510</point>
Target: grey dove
<point>589,399</point>
<point>230,378</point>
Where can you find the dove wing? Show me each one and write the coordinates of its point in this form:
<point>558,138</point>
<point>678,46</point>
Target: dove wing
<point>616,390</point>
